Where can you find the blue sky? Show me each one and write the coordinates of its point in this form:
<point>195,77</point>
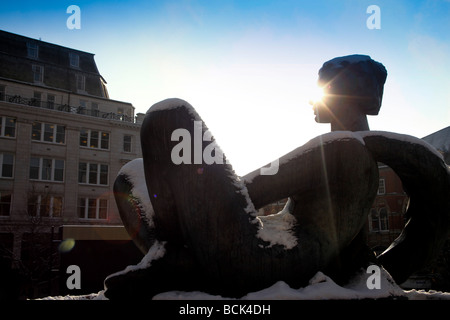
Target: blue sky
<point>250,67</point>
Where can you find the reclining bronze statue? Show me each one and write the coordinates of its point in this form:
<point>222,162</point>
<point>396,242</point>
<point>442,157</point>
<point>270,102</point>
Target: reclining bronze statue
<point>197,221</point>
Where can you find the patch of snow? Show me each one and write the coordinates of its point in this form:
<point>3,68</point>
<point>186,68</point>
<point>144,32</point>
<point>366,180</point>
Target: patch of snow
<point>134,171</point>
<point>404,138</point>
<point>320,287</point>
<point>93,296</point>
<point>173,103</point>
<point>242,189</point>
<point>277,228</point>
<point>156,252</point>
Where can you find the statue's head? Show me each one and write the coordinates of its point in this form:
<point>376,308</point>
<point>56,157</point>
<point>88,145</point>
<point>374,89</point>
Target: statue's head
<point>353,87</point>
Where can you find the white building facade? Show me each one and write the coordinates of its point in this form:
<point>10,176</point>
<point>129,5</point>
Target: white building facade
<point>62,141</point>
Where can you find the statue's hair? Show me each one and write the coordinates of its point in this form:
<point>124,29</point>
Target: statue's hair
<point>356,77</point>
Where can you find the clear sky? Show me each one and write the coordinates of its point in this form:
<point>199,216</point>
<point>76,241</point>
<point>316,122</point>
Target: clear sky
<point>250,67</point>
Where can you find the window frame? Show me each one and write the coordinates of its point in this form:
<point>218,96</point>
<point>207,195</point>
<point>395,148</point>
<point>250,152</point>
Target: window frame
<point>32,50</point>
<point>52,171</point>
<point>81,82</point>
<point>4,120</point>
<point>381,186</point>
<point>2,165</point>
<point>380,220</point>
<point>93,171</point>
<point>51,99</point>
<point>38,206</point>
<point>96,136</point>
<point>4,204</point>
<point>73,57</point>
<point>92,208</point>
<point>40,73</point>
<point>384,219</point>
<point>127,143</point>
<point>95,112</point>
<point>54,134</point>
<point>37,99</point>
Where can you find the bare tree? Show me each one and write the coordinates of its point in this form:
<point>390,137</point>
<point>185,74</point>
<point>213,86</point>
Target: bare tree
<point>38,254</point>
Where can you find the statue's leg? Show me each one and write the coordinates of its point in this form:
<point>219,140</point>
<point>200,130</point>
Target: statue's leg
<point>172,270</point>
<point>201,210</point>
<point>426,179</point>
<point>332,183</point>
<point>198,200</point>
<point>337,177</point>
<point>135,209</point>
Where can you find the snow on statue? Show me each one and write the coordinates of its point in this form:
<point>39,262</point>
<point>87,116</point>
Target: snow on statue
<point>197,221</point>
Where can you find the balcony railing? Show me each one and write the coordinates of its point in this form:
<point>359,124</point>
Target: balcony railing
<point>33,102</point>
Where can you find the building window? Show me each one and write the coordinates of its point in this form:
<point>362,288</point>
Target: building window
<point>94,139</point>
<point>7,127</point>
<point>93,173</point>
<point>105,90</point>
<point>38,73</point>
<point>2,93</point>
<point>37,98</point>
<point>82,107</point>
<point>127,140</point>
<point>104,140</point>
<point>32,50</point>
<point>84,137</point>
<point>74,60</point>
<point>50,101</point>
<point>46,169</point>
<point>375,220</point>
<point>48,132</point>
<point>45,206</point>
<point>379,220</point>
<point>60,134</point>
<point>5,203</point>
<point>81,82</point>
<point>6,165</point>
<point>94,109</point>
<point>384,220</point>
<point>381,186</point>
<point>91,208</point>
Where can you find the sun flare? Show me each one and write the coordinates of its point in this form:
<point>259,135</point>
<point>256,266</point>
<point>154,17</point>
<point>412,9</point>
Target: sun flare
<point>317,95</point>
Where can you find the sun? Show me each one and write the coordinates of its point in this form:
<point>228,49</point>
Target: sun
<point>317,95</point>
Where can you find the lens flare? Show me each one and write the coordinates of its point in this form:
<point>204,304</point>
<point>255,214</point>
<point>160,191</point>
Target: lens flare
<point>66,245</point>
<point>317,95</point>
